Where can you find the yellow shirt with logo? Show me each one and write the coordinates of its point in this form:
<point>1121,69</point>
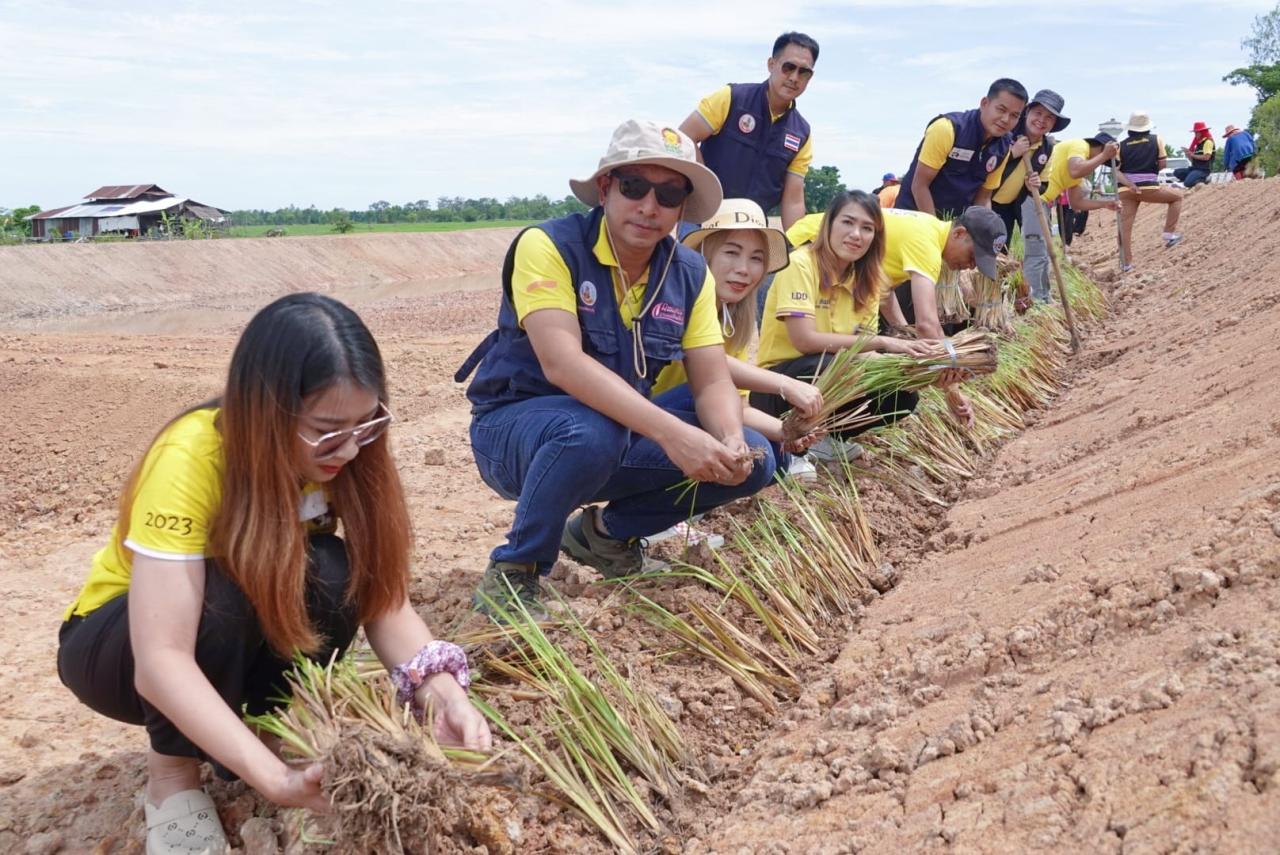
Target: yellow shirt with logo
<point>1058,171</point>
<point>541,280</point>
<point>714,110</point>
<point>1010,188</point>
<point>913,243</point>
<point>939,139</point>
<point>1206,147</point>
<point>175,501</point>
<point>795,293</point>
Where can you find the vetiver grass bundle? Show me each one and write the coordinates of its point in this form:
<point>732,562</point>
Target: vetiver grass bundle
<point>840,382</point>
<point>952,307</point>
<point>389,782</point>
<point>993,311</point>
<point>600,722</point>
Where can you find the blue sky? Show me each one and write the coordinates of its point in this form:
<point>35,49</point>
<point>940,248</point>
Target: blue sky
<point>339,104</point>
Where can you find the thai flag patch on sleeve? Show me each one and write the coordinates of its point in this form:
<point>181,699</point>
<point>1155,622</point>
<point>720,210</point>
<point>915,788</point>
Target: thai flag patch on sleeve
<point>791,142</point>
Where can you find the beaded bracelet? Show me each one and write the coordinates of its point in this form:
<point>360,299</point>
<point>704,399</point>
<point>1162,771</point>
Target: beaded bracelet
<point>435,657</point>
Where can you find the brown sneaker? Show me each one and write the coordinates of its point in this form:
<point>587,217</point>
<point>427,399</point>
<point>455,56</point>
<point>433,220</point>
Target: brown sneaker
<point>614,558</point>
<point>509,590</point>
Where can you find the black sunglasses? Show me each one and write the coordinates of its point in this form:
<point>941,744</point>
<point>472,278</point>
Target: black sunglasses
<point>636,187</point>
<point>790,68</point>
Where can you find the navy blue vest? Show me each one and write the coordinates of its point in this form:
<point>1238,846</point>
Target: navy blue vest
<point>509,370</point>
<point>1039,160</point>
<point>971,160</point>
<point>751,153</point>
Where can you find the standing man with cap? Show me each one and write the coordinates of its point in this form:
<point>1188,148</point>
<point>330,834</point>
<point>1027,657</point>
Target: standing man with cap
<point>958,162</point>
<point>1141,159</point>
<point>753,138</point>
<point>595,305</point>
<point>1237,152</point>
<point>888,190</point>
<point>1016,197</point>
<point>1200,153</point>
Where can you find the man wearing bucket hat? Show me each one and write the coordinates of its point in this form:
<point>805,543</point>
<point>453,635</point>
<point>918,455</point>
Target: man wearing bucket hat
<point>594,306</point>
<point>958,162</point>
<point>1018,194</point>
<point>1200,153</point>
<point>1237,152</point>
<point>753,138</point>
<point>1141,159</point>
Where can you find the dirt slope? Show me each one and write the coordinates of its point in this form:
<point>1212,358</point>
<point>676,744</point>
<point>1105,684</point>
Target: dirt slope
<point>50,281</point>
<point>1085,657</point>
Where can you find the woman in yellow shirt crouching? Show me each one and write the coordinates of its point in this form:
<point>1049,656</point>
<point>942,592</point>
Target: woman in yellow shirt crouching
<point>828,300</point>
<point>740,248</point>
<point>225,561</point>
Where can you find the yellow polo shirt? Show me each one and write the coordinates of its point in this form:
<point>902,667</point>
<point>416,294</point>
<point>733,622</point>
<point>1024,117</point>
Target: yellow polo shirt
<point>674,375</point>
<point>714,110</point>
<point>541,280</point>
<point>795,293</point>
<point>1010,188</point>
<point>913,243</point>
<point>939,139</point>
<point>1059,175</point>
<point>175,501</point>
<point>805,230</point>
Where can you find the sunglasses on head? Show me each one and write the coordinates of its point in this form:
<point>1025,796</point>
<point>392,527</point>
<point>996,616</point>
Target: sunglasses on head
<point>789,68</point>
<point>329,444</point>
<point>636,187</point>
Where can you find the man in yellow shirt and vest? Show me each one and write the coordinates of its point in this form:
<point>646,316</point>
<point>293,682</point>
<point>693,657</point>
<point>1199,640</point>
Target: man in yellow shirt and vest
<point>595,305</point>
<point>753,138</point>
<point>959,161</point>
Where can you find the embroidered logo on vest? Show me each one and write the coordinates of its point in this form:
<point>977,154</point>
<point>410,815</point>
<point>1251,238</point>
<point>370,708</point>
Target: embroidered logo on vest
<point>791,142</point>
<point>1042,158</point>
<point>991,163</point>
<point>747,123</point>
<point>587,293</point>
<point>962,154</point>
<point>668,312</point>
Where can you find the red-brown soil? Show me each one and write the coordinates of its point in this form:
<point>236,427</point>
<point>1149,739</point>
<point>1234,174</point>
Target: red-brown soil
<point>1083,653</point>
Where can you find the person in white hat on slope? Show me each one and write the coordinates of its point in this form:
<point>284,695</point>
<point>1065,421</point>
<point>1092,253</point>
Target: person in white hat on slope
<point>595,306</point>
<point>1141,159</point>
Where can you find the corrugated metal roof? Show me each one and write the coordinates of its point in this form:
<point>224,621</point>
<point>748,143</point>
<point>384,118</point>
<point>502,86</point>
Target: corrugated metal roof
<point>100,209</point>
<point>125,191</point>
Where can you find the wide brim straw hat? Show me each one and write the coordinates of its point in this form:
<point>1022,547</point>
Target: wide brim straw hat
<point>637,142</point>
<point>1230,129</point>
<point>743,214</point>
<point>1139,122</point>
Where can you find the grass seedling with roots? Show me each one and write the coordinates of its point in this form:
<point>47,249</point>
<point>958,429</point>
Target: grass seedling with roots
<point>385,775</point>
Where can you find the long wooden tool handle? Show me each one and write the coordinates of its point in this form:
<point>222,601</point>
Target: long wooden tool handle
<point>1053,259</point>
<point>1115,178</point>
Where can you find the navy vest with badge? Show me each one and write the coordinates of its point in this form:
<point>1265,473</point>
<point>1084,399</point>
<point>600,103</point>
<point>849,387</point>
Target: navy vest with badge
<point>751,153</point>
<point>1039,160</point>
<point>1140,155</point>
<point>971,159</point>
<point>509,370</point>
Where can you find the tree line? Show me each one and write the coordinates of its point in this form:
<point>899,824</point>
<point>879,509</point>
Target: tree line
<point>446,209</point>
<point>1263,75</point>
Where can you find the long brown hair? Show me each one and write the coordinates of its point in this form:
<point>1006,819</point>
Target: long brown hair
<point>866,271</point>
<point>292,349</point>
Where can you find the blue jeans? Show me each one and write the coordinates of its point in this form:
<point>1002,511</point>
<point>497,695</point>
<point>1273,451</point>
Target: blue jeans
<point>553,453</point>
<point>1190,176</point>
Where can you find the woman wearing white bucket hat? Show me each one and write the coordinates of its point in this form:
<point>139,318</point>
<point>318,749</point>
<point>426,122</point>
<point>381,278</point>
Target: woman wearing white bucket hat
<point>1141,159</point>
<point>596,305</point>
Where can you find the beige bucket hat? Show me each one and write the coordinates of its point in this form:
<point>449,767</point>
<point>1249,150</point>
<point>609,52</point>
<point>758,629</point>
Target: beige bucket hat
<point>638,141</point>
<point>743,214</point>
<point>1139,121</point>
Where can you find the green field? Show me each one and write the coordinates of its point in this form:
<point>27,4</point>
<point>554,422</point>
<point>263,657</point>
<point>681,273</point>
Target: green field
<point>363,228</point>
